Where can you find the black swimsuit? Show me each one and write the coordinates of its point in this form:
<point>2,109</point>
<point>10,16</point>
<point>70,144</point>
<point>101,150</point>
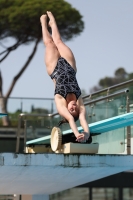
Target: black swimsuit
<point>65,77</point>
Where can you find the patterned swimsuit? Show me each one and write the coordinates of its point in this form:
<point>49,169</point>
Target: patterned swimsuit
<point>65,77</point>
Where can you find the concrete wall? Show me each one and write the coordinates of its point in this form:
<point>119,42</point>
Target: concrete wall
<point>38,174</point>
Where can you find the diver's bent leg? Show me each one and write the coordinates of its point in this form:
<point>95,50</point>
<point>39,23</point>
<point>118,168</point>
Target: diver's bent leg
<point>51,51</point>
<point>55,32</point>
<point>45,33</point>
<point>51,57</point>
<point>64,50</point>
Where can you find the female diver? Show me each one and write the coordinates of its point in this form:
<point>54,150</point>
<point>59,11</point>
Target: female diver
<point>61,67</point>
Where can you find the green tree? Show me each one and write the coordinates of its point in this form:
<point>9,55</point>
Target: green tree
<point>20,20</point>
<point>130,76</point>
<point>106,81</point>
<point>120,75</point>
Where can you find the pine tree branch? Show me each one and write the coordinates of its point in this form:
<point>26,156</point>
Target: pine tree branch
<point>22,69</point>
<point>11,48</point>
<point>5,56</point>
<point>1,92</point>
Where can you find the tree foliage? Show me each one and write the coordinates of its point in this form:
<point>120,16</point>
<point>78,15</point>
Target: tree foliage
<point>120,76</point>
<point>120,73</point>
<point>20,19</point>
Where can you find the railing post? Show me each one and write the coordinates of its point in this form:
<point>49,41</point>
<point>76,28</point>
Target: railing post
<point>25,135</point>
<point>18,134</point>
<point>52,107</point>
<point>21,106</point>
<point>107,101</point>
<point>128,129</point>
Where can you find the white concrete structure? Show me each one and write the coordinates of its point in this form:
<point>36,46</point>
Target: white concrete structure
<point>50,173</point>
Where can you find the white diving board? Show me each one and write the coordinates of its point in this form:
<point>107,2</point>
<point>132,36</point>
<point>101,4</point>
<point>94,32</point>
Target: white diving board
<point>3,115</point>
<point>95,128</point>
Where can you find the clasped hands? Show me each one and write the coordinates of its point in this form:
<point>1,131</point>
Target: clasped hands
<point>82,137</point>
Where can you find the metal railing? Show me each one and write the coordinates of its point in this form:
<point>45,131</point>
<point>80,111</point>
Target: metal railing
<point>89,96</point>
<point>19,125</point>
<point>125,91</point>
<point>108,89</point>
<point>24,104</point>
<point>107,97</point>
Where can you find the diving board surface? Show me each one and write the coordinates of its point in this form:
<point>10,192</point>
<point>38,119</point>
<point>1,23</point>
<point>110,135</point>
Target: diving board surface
<point>108,124</point>
<point>95,128</point>
<point>3,115</point>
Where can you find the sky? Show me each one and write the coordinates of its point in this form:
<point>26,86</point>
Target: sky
<point>105,45</point>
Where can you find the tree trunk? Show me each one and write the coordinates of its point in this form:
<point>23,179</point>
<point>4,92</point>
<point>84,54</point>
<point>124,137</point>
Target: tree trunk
<point>3,105</point>
<point>15,79</point>
<point>4,98</point>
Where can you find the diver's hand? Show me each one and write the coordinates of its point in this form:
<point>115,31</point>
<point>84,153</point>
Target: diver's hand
<point>82,137</point>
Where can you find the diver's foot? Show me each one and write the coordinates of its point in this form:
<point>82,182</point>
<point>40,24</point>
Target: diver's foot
<point>43,20</point>
<point>51,18</point>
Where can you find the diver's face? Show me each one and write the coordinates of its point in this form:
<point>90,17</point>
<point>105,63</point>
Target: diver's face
<point>72,108</point>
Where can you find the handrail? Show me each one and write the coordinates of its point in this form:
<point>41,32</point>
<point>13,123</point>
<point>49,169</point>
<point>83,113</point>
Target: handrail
<point>109,88</point>
<point>52,115</point>
<point>37,115</point>
<point>90,102</point>
<point>94,93</point>
<point>36,98</point>
<point>106,97</point>
<point>19,124</point>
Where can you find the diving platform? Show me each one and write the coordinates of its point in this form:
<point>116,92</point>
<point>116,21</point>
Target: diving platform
<point>50,173</point>
<point>96,128</point>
